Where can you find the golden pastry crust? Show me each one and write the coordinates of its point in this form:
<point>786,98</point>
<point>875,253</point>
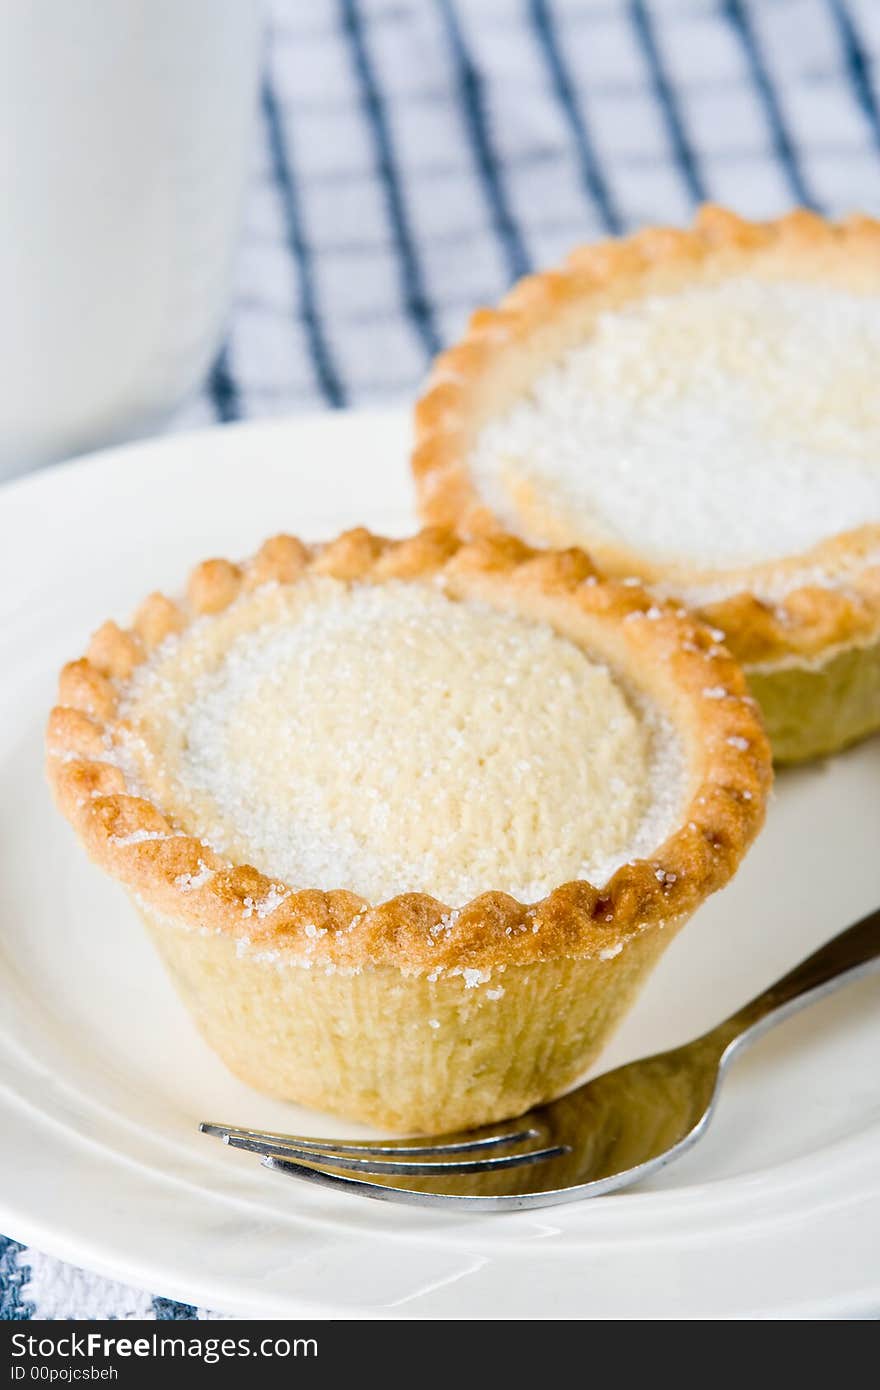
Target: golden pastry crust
<point>797,609</point>
<point>694,679</point>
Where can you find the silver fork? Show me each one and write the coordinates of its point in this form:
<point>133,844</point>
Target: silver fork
<point>608,1133</point>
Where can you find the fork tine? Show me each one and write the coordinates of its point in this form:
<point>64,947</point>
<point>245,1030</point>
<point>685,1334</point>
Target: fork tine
<point>375,1188</point>
<point>367,1187</point>
<point>422,1147</point>
<point>382,1191</point>
<point>409,1168</point>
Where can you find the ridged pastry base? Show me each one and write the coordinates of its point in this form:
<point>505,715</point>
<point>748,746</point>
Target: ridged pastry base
<point>363,1046</point>
<point>810,711</point>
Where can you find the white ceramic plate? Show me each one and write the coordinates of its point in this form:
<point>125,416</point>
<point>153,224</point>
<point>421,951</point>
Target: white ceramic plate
<point>103,1079</point>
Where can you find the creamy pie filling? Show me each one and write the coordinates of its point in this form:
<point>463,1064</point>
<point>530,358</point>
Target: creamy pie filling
<point>725,425</point>
<point>389,739</point>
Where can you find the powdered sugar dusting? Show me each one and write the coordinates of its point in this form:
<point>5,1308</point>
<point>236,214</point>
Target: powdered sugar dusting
<point>188,883</point>
<point>472,978</point>
<point>725,425</point>
<point>138,837</point>
<point>388,739</point>
<point>609,952</point>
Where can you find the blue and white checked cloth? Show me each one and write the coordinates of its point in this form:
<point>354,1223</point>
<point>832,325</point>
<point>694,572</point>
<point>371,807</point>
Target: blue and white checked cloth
<point>415,156</point>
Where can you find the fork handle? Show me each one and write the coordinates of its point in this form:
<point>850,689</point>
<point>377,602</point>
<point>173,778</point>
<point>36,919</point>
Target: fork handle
<point>846,957</point>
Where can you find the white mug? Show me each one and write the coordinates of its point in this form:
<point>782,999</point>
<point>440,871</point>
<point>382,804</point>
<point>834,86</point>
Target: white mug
<point>125,133</point>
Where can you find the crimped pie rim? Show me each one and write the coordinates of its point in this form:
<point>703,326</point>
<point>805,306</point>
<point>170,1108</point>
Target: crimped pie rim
<point>810,619</point>
<point>175,874</point>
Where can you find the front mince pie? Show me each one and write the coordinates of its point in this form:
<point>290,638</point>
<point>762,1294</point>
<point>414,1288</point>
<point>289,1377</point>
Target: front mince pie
<point>410,820</point>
